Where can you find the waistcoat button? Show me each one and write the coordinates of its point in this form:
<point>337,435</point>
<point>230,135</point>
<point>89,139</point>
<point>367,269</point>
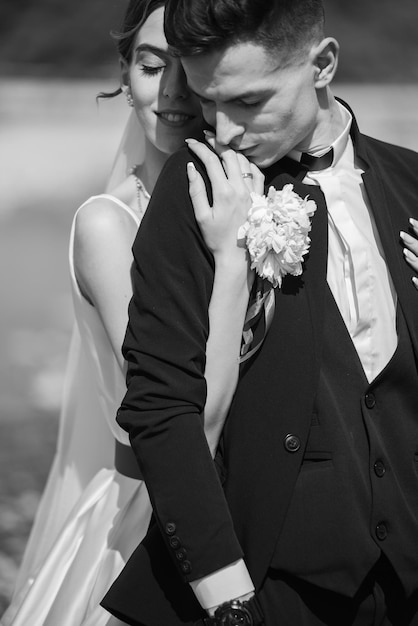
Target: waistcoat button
<point>381,531</point>
<point>379,469</point>
<point>370,400</point>
<point>291,443</point>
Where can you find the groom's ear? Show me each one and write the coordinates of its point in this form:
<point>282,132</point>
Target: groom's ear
<point>325,60</point>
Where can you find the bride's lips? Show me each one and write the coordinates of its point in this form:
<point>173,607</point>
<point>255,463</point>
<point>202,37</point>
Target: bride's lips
<point>175,119</point>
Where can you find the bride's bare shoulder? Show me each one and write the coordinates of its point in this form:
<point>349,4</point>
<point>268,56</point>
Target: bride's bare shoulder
<point>100,216</point>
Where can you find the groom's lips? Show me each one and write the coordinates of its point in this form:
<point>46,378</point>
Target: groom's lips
<point>247,152</point>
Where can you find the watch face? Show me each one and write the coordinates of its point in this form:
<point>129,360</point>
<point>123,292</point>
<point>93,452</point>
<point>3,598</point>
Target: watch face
<point>236,616</point>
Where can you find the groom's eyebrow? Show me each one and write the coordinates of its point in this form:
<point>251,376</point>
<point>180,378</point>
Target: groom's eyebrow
<point>242,96</point>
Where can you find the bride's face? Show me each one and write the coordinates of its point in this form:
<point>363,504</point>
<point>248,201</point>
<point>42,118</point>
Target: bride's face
<point>166,109</point>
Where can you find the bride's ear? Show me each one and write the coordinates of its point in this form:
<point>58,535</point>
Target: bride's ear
<point>325,60</point>
<point>124,74</point>
<point>125,82</point>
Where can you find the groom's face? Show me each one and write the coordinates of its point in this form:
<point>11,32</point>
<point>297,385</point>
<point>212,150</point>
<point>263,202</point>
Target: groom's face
<point>260,104</point>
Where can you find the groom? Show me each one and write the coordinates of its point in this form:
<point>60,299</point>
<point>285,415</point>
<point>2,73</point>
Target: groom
<point>317,518</point>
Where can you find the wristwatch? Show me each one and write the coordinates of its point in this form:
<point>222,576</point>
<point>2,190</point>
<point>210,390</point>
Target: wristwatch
<point>237,613</point>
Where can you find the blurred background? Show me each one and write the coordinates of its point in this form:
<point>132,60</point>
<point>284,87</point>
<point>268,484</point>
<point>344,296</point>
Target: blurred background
<point>56,149</point>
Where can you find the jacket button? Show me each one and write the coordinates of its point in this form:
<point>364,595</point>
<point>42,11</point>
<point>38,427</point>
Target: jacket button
<point>170,528</point>
<point>379,469</point>
<point>381,531</point>
<point>370,400</point>
<point>186,567</point>
<point>181,554</point>
<point>174,542</point>
<point>291,443</point>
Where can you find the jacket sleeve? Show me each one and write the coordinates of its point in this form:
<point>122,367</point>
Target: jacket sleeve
<point>162,411</point>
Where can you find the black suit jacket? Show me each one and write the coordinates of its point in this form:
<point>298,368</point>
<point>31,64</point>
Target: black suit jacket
<point>214,525</point>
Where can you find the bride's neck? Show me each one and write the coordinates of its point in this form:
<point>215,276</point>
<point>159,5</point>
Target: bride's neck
<point>150,169</point>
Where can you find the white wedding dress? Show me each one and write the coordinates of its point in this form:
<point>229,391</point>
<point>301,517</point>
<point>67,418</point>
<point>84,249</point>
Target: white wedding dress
<point>91,517</point>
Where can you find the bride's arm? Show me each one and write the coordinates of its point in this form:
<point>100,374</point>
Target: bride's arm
<point>102,258</point>
<point>103,238</point>
<point>219,224</point>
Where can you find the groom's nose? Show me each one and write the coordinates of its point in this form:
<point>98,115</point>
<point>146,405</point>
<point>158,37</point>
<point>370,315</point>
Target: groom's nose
<point>227,129</point>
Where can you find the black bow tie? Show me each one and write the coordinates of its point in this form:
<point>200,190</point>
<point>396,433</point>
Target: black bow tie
<point>298,169</point>
<point>313,163</point>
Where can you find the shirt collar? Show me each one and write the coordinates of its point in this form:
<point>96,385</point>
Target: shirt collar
<point>338,145</point>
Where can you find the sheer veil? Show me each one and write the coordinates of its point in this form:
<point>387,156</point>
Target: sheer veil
<point>85,444</point>
<point>131,152</point>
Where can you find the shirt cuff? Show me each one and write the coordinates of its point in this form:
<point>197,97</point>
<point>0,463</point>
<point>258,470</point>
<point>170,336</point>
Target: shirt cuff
<point>225,584</point>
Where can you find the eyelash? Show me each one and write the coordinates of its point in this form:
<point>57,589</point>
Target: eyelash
<point>250,104</point>
<point>147,70</point>
<point>247,105</point>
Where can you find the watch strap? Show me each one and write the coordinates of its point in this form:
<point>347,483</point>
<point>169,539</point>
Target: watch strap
<point>252,606</point>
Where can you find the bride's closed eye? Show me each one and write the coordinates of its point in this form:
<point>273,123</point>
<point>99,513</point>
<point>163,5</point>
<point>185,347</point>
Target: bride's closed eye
<point>148,70</point>
<point>150,64</point>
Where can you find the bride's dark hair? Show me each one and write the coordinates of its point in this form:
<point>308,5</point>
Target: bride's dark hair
<point>137,12</point>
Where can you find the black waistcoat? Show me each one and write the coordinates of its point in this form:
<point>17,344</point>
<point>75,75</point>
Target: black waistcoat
<point>357,491</point>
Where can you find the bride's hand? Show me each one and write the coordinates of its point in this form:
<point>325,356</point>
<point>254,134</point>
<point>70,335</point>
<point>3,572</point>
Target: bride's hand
<point>233,178</point>
<point>411,248</point>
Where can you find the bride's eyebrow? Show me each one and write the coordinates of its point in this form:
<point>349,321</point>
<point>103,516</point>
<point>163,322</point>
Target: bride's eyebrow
<point>147,47</point>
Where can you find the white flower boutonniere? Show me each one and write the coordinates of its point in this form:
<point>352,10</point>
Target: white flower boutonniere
<point>276,233</point>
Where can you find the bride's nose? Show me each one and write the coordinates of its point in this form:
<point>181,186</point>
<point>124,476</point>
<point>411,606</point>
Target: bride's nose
<point>175,82</point>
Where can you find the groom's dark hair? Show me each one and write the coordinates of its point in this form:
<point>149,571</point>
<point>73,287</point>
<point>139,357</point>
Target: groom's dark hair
<point>200,26</point>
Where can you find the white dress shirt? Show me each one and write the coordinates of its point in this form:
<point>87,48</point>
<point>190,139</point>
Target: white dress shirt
<point>357,273</point>
<point>362,288</point>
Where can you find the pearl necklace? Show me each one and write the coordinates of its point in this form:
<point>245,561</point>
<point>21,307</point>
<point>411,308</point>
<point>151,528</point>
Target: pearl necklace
<point>140,190</point>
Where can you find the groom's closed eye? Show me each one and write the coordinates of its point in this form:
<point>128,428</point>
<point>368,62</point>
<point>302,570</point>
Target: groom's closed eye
<point>205,101</point>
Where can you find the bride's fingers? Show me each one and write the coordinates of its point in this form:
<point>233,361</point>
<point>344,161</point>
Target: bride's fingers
<point>197,192</point>
<point>238,173</point>
<point>236,165</point>
<point>410,242</point>
<point>252,176</point>
<point>247,174</point>
<point>411,258</point>
<point>211,162</point>
<point>414,224</point>
<point>258,179</point>
<point>410,250</point>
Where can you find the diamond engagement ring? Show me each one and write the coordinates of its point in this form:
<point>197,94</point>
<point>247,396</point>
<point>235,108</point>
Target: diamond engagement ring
<point>247,175</point>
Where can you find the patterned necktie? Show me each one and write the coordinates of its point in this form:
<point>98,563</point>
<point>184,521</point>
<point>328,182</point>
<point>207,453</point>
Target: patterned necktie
<point>257,319</point>
<point>261,302</point>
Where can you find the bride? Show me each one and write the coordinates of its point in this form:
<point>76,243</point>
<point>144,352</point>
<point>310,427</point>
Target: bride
<point>95,509</point>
